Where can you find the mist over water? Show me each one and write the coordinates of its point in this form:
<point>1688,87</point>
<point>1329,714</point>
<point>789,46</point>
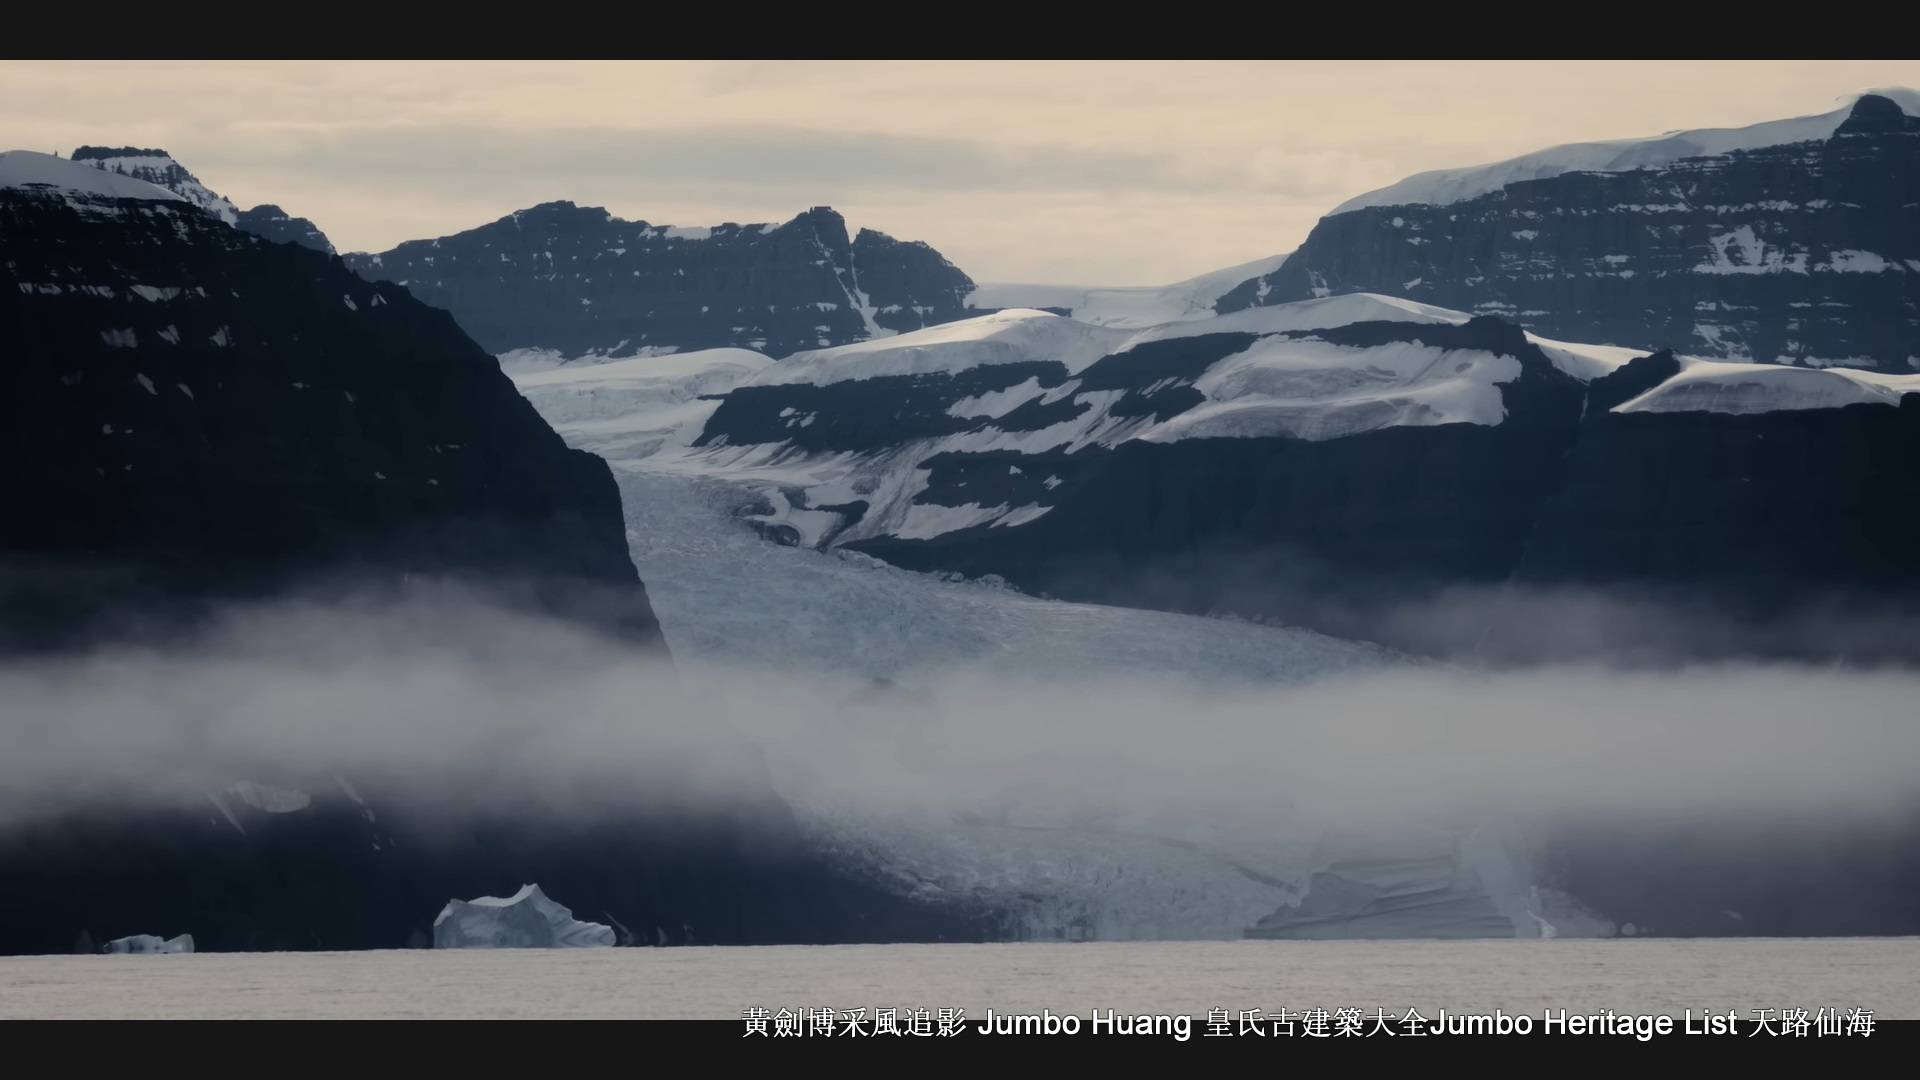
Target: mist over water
<point>447,698</point>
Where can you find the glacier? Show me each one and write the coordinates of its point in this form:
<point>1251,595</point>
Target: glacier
<point>1079,866</point>
<point>1126,306</point>
<point>1074,866</point>
<point>1083,865</point>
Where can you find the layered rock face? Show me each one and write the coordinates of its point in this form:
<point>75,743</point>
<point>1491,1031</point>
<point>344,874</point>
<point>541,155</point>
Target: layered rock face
<point>1804,253</point>
<point>580,281</point>
<point>210,414</point>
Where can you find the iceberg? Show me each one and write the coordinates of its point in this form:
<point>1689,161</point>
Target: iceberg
<point>526,920</point>
<point>150,943</point>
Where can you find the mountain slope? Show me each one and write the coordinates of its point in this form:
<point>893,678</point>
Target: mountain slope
<point>1802,253</point>
<point>579,281</point>
<point>173,376</point>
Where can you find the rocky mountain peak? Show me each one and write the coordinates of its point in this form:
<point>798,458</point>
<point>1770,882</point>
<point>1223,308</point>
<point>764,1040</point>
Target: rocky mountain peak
<point>272,223</point>
<point>582,282</point>
<point>829,226</point>
<point>159,168</point>
<point>1877,115</point>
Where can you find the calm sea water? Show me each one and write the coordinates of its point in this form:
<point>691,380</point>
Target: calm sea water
<point>1629,976</point>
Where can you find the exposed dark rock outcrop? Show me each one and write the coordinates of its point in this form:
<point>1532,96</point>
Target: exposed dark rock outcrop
<point>196,418</point>
<point>211,415</point>
<point>272,223</point>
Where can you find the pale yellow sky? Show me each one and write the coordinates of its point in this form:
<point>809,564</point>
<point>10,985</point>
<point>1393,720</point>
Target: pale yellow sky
<point>1088,173</point>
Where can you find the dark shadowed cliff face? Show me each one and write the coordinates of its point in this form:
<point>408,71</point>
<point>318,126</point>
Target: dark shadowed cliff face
<point>579,280</point>
<point>1805,253</point>
<point>207,414</point>
<point>1727,535</point>
<point>352,868</point>
<point>1761,509</point>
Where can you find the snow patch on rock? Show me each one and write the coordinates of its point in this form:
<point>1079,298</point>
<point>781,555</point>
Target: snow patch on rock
<point>1724,387</point>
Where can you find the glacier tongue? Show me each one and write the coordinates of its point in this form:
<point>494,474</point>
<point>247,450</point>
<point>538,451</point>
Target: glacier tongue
<point>1073,867</point>
<point>1444,885</point>
<point>525,920</point>
<point>1080,865</point>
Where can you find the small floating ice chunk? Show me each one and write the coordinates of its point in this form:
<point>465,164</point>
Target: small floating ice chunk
<point>150,943</point>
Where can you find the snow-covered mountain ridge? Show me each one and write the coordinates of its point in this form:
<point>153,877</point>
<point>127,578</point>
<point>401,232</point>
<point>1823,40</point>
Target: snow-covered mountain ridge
<point>1803,252</point>
<point>29,169</point>
<point>1440,187</point>
<point>1025,445</point>
<point>157,167</point>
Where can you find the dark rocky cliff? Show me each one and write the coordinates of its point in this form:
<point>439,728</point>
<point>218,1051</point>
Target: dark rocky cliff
<point>209,414</point>
<point>272,223</point>
<point>578,280</point>
<point>195,418</point>
<point>1805,253</point>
